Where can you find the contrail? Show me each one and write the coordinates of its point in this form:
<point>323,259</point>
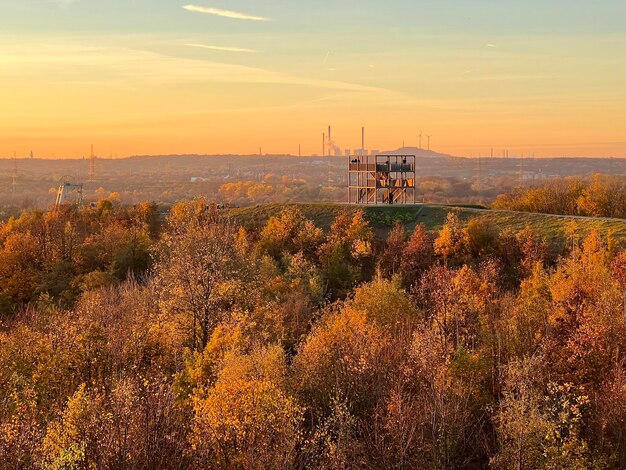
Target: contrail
<point>222,48</point>
<point>225,13</point>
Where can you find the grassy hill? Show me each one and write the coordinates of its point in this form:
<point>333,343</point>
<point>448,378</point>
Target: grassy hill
<point>383,218</point>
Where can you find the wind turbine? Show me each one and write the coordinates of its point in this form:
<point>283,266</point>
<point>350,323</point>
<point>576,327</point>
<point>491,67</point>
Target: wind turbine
<point>420,136</point>
<point>429,136</point>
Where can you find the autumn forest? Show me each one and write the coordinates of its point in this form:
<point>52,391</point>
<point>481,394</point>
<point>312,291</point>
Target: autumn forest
<point>129,340</point>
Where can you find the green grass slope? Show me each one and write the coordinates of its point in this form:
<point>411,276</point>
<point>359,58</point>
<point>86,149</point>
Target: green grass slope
<point>433,217</point>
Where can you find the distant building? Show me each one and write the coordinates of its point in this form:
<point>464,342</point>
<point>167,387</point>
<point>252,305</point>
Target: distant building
<point>347,153</point>
<point>361,152</point>
<point>375,152</point>
<point>337,152</point>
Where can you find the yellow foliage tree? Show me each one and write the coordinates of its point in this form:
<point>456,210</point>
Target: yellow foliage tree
<point>247,420</point>
<point>385,303</point>
<point>79,438</point>
<point>343,357</point>
<point>451,242</point>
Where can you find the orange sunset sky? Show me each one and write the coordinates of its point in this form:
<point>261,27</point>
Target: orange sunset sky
<point>161,76</point>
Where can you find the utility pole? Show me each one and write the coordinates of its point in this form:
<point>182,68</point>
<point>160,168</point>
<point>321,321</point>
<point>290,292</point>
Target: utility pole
<point>329,174</point>
<point>14,174</point>
<point>263,164</point>
<point>92,166</point>
<point>480,177</point>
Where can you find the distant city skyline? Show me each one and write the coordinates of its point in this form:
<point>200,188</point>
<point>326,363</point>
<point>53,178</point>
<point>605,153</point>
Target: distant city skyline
<point>225,77</point>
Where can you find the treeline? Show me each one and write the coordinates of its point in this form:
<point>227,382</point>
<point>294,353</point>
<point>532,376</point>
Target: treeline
<point>59,254</point>
<point>277,189</point>
<point>290,347</point>
<point>600,196</point>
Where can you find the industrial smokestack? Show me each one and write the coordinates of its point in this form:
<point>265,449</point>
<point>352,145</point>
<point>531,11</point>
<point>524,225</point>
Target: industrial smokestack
<point>362,140</point>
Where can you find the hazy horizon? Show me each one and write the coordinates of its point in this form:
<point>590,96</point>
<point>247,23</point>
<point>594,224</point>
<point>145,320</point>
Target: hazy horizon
<point>473,155</point>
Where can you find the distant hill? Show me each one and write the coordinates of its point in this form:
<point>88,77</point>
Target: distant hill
<point>418,152</point>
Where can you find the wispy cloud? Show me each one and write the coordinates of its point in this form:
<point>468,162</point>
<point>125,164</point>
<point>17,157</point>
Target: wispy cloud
<point>222,48</point>
<point>224,13</point>
<point>492,46</point>
<point>126,67</point>
<point>513,77</point>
